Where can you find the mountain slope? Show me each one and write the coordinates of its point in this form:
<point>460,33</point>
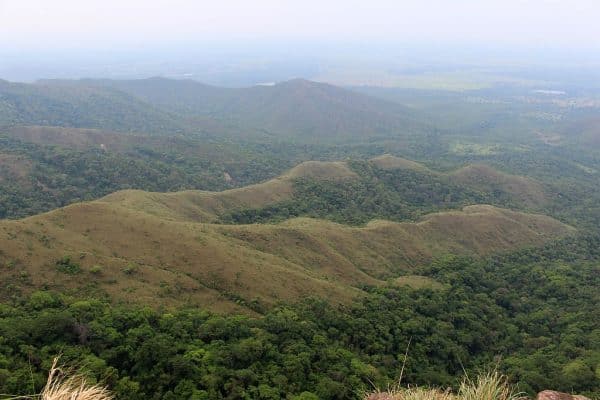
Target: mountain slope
<point>389,162</point>
<point>204,206</point>
<point>57,166</point>
<point>304,188</point>
<point>158,248</point>
<point>521,190</point>
<point>297,108</point>
<point>75,104</point>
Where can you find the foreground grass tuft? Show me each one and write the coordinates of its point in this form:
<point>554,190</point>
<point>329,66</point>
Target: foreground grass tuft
<point>61,386</point>
<point>487,386</point>
<point>414,393</point>
<point>75,387</point>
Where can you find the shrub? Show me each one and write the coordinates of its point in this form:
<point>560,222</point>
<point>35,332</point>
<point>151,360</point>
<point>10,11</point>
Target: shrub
<point>96,270</point>
<point>130,269</point>
<point>67,266</point>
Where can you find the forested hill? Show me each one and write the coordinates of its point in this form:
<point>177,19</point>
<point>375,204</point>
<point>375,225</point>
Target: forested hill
<point>296,108</point>
<point>82,106</point>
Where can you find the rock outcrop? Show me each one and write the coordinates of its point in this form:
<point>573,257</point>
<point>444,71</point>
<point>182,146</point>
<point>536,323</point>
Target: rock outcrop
<point>552,395</point>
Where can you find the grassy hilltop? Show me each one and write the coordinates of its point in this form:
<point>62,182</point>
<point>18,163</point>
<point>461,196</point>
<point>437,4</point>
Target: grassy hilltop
<point>154,248</point>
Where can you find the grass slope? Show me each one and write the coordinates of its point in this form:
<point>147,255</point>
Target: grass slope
<point>163,249</point>
<point>388,161</point>
<point>525,190</point>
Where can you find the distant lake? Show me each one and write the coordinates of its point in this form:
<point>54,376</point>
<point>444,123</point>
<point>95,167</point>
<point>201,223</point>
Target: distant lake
<point>550,92</point>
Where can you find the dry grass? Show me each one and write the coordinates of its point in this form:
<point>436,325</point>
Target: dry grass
<point>388,161</point>
<point>328,170</point>
<point>413,393</point>
<point>525,190</point>
<point>195,263</point>
<point>181,257</point>
<point>487,386</point>
<point>62,385</point>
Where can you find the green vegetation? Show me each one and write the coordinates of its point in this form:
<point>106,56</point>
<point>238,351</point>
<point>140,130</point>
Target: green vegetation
<point>78,105</point>
<point>42,177</point>
<point>538,316</point>
<point>67,266</point>
<point>229,292</point>
<point>292,109</point>
<point>270,129</point>
<point>393,194</point>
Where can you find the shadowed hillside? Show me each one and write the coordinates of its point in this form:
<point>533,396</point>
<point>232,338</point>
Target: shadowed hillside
<point>74,138</point>
<point>45,167</point>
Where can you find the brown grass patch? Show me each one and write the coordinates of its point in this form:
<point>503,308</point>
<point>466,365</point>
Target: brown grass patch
<point>151,258</point>
<point>388,161</point>
<point>527,191</point>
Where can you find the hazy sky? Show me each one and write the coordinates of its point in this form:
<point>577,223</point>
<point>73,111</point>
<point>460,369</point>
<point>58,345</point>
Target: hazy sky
<point>31,24</point>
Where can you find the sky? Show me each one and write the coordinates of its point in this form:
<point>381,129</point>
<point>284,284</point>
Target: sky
<point>72,24</point>
<point>241,42</point>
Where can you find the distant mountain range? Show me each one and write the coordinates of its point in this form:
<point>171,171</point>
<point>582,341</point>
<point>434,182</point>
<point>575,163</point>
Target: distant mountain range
<point>296,108</point>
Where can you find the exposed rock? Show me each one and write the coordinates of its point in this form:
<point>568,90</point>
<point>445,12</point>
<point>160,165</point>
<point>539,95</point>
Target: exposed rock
<point>552,395</point>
